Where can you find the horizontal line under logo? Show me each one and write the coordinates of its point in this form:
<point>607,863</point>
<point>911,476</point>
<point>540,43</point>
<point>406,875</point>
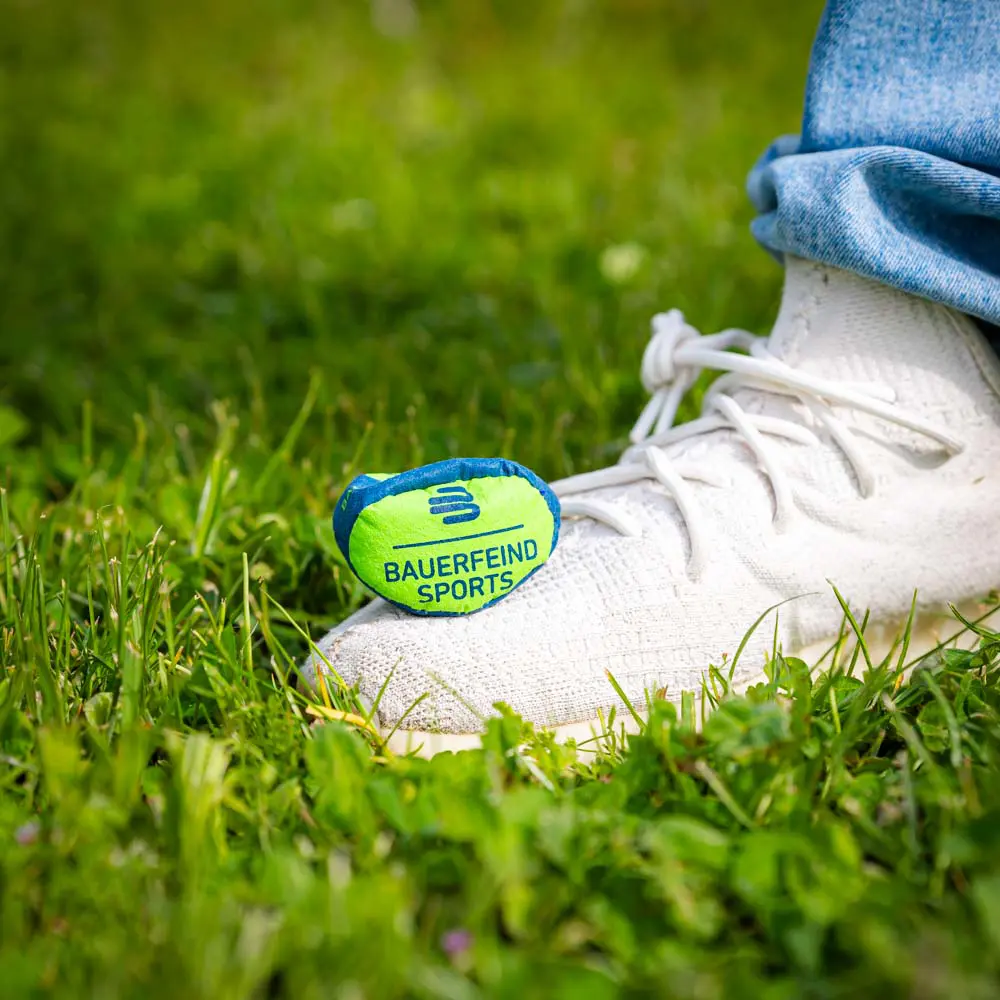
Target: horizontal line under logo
<point>459,538</point>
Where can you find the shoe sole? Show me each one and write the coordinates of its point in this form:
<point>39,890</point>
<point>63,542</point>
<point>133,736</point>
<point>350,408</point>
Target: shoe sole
<point>929,632</point>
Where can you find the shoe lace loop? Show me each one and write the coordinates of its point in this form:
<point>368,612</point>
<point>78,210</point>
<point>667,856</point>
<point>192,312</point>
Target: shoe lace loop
<point>659,373</point>
<point>673,360</point>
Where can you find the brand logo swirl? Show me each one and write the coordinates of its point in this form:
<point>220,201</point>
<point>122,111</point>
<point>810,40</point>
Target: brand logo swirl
<point>455,503</point>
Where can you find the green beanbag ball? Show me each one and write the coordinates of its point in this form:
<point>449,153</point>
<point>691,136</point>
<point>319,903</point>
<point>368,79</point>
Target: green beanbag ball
<point>449,538</point>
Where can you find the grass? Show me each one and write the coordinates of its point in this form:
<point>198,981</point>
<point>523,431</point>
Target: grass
<point>247,250</point>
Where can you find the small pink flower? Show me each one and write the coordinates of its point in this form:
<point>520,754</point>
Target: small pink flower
<point>27,833</point>
<point>456,941</point>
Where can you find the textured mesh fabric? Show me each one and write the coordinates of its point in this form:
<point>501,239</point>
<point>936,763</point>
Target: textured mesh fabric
<point>608,603</point>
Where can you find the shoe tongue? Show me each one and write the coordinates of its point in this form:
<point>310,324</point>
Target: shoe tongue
<point>840,326</point>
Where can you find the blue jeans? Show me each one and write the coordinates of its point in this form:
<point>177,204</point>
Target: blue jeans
<point>896,175</point>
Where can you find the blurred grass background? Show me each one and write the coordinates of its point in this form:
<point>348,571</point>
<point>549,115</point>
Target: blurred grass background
<point>461,215</point>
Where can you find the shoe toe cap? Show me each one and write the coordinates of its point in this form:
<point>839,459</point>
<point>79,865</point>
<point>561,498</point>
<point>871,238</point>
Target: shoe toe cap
<point>546,650</point>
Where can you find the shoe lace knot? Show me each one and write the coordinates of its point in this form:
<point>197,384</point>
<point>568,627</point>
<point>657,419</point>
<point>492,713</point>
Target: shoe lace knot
<point>659,372</point>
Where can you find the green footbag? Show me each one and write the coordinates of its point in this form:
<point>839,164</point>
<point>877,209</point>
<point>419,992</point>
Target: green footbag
<point>449,538</point>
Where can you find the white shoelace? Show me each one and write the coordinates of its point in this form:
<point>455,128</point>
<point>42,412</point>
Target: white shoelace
<point>674,358</point>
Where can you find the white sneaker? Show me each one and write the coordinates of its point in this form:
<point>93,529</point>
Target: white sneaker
<point>859,444</point>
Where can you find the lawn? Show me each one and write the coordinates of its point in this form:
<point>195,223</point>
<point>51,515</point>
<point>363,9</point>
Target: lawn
<point>250,249</point>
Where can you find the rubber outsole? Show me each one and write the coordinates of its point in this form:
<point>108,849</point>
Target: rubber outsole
<point>929,632</point>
